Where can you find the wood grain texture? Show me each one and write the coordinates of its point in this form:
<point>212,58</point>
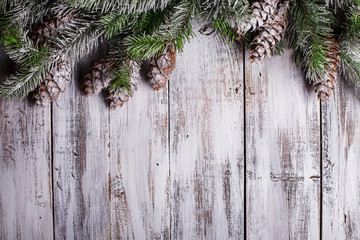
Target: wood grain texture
<point>25,173</point>
<point>206,141</point>
<point>139,166</point>
<point>81,163</point>
<point>340,164</point>
<point>282,152</point>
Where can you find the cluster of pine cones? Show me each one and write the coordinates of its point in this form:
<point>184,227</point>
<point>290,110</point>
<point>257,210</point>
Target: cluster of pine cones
<point>268,22</point>
<point>100,75</point>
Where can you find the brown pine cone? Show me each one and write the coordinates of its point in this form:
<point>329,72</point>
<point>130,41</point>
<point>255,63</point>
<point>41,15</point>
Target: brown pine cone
<point>263,12</point>
<point>325,86</point>
<point>54,83</point>
<point>162,67</point>
<point>98,77</point>
<point>50,28</point>
<point>269,35</point>
<point>120,96</point>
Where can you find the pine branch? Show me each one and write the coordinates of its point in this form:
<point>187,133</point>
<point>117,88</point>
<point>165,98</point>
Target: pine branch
<point>122,6</point>
<point>351,24</point>
<point>279,48</point>
<point>7,5</point>
<point>225,15</point>
<point>309,33</point>
<point>33,63</point>
<point>350,62</point>
<point>144,46</point>
<point>116,23</point>
<point>175,29</point>
<point>122,77</point>
<point>340,4</point>
<point>80,37</point>
<point>25,13</point>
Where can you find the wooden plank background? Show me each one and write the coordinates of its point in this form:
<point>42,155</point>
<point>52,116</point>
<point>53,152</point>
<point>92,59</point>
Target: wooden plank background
<point>229,150</point>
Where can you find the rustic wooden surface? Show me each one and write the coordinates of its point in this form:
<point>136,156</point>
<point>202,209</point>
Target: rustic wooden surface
<point>229,150</point>
<point>341,165</point>
<point>206,141</point>
<point>282,152</point>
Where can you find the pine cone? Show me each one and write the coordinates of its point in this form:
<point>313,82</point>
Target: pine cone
<point>325,86</point>
<point>119,97</point>
<point>263,12</point>
<point>98,78</point>
<point>50,28</point>
<point>162,67</point>
<point>54,83</point>
<point>269,35</point>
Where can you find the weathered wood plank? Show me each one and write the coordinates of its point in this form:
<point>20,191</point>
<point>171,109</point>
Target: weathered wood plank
<point>25,172</point>
<point>139,166</point>
<point>282,152</point>
<point>340,164</point>
<point>206,136</point>
<point>81,163</point>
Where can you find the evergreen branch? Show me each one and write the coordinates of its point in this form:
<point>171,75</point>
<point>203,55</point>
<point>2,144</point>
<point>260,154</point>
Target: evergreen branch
<point>350,62</point>
<point>122,6</point>
<point>6,5</point>
<point>151,21</point>
<point>25,13</point>
<point>279,48</point>
<point>176,28</point>
<point>309,31</point>
<point>340,4</point>
<point>117,23</point>
<point>231,13</point>
<point>122,78</point>
<point>33,63</point>
<point>144,46</point>
<point>23,82</point>
<point>80,36</point>
<point>351,24</point>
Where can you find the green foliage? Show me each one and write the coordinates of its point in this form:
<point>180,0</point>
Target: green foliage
<point>33,63</point>
<point>24,14</point>
<point>279,48</point>
<point>80,37</point>
<point>350,62</point>
<point>225,15</point>
<point>176,28</point>
<point>122,77</point>
<point>309,33</point>
<point>351,24</point>
<point>123,6</point>
<point>141,29</point>
<point>340,4</point>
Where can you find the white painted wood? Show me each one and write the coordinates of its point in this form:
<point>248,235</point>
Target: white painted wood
<point>25,173</point>
<point>139,166</point>
<point>170,164</point>
<point>340,165</point>
<point>81,164</point>
<point>206,147</point>
<point>282,152</point>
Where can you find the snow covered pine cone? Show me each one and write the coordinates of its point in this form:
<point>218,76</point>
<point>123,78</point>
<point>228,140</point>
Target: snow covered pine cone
<point>325,86</point>
<point>98,77</point>
<point>269,34</point>
<point>162,67</point>
<point>263,12</point>
<point>120,96</point>
<point>55,82</point>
